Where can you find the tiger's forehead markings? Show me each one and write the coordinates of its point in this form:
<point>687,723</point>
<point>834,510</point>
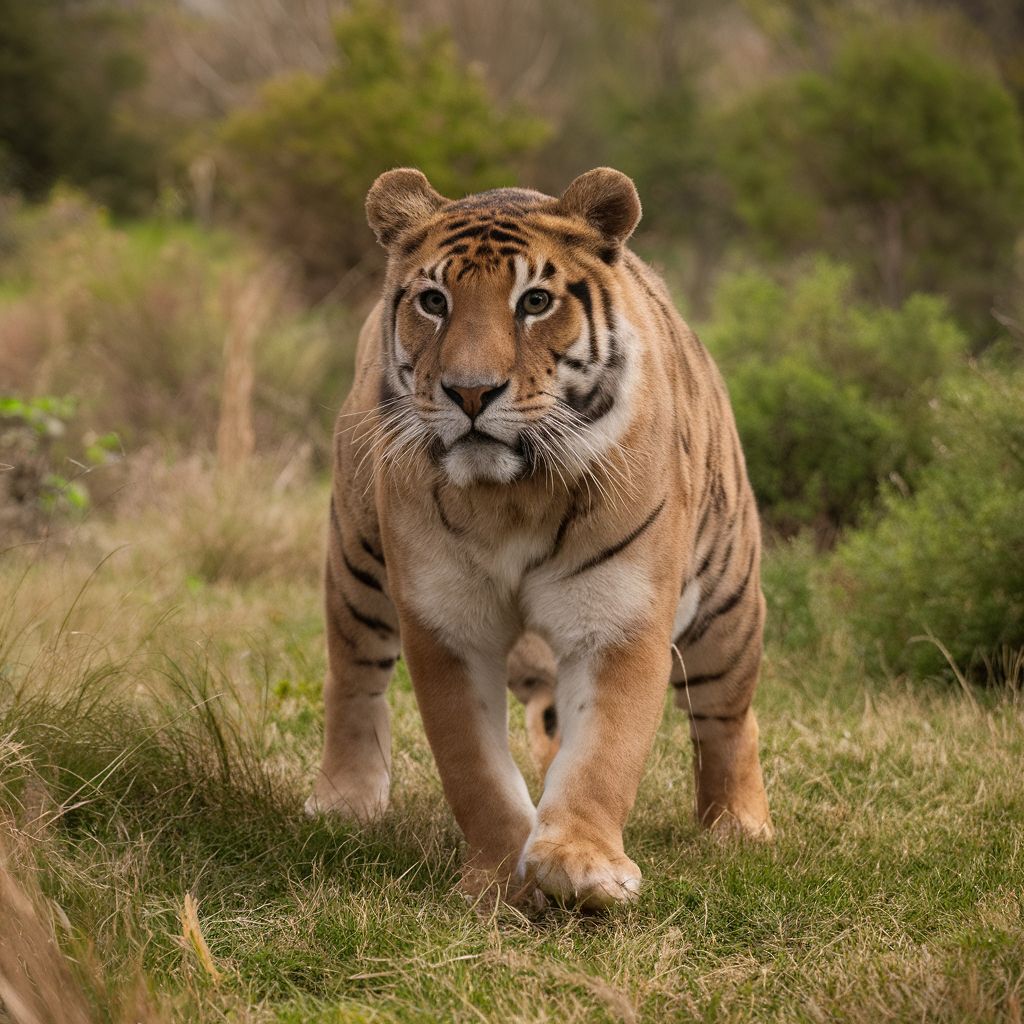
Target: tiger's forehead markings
<point>489,239</point>
<point>490,232</point>
<point>491,229</point>
<point>483,231</point>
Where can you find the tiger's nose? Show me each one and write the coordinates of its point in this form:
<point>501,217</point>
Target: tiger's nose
<point>473,400</point>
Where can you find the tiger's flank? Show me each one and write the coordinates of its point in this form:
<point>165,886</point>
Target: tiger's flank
<point>536,442</point>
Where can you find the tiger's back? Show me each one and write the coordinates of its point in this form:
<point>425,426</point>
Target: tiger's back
<point>536,441</point>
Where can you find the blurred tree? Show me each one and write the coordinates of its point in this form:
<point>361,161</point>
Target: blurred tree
<point>301,162</point>
<point>206,59</point>
<point>659,140</point>
<point>899,160</point>
<point>64,69</point>
<point>1001,23</point>
<point>641,112</point>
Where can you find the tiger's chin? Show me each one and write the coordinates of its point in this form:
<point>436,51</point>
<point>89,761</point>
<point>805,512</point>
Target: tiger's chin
<point>473,461</point>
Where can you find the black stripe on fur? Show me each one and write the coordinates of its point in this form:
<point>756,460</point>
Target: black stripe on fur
<point>364,577</point>
<point>580,290</point>
<point>620,546</point>
<point>707,620</point>
<point>377,625</point>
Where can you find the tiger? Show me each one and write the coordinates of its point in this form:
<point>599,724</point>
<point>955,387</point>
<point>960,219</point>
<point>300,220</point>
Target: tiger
<point>534,441</point>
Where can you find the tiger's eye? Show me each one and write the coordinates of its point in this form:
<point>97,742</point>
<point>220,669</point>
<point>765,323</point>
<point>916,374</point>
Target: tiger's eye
<point>535,301</point>
<point>434,302</point>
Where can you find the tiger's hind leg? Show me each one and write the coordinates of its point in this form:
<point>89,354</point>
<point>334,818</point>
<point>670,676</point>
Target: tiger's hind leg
<point>362,648</point>
<point>715,674</point>
<point>532,674</point>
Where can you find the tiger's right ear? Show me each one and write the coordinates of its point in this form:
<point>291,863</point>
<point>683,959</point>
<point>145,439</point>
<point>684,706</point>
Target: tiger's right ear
<point>399,200</point>
<point>606,199</point>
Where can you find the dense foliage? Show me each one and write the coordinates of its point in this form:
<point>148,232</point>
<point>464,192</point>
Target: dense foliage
<point>898,158</point>
<point>831,395</point>
<point>64,69</point>
<point>939,575</point>
<point>303,160</point>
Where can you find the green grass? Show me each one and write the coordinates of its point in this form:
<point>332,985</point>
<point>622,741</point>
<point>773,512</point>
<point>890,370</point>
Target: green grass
<point>151,750</point>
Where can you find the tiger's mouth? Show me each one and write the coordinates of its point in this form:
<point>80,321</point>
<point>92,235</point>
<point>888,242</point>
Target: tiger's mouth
<point>478,456</point>
<point>476,436</point>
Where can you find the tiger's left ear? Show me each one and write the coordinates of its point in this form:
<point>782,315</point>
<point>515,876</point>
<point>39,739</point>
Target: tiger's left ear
<point>399,200</point>
<point>606,199</point>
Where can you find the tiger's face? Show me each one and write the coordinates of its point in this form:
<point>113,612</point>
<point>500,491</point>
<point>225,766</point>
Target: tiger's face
<point>503,352</point>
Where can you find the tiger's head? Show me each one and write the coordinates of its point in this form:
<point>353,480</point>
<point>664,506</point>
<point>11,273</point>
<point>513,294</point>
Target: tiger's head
<point>505,348</point>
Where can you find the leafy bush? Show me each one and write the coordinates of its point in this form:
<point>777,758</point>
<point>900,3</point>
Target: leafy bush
<point>44,473</point>
<point>815,447</point>
<point>901,160</point>
<point>301,162</point>
<point>830,395</point>
<point>948,562</point>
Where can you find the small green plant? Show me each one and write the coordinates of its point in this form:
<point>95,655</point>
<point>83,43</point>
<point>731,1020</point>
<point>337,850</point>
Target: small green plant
<point>46,415</point>
<point>44,466</point>
<point>32,487</point>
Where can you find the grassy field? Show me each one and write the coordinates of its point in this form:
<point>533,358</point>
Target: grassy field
<point>159,727</point>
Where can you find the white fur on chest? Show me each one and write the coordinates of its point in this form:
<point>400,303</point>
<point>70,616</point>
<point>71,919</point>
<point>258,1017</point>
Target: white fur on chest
<point>583,613</point>
<point>478,598</point>
<point>467,591</point>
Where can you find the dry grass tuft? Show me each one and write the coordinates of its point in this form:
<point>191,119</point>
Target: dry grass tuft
<point>193,940</point>
<point>252,304</point>
<point>36,984</point>
<point>39,982</point>
<point>264,523</point>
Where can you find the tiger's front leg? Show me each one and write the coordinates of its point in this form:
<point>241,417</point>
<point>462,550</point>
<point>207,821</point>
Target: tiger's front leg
<point>609,706</point>
<point>362,647</point>
<point>464,709</point>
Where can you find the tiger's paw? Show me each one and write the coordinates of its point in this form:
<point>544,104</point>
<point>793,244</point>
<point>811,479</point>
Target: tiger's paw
<point>359,800</point>
<point>486,888</point>
<point>726,826</point>
<point>578,873</point>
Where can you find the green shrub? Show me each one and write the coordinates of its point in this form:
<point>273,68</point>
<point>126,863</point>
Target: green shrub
<point>899,159</point>
<point>302,161</point>
<point>788,577</point>
<point>815,447</point>
<point>831,396</point>
<point>45,473</point>
<point>947,563</point>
